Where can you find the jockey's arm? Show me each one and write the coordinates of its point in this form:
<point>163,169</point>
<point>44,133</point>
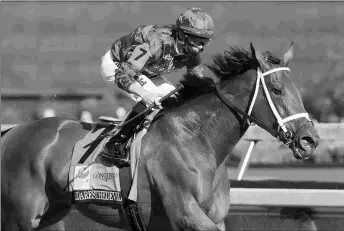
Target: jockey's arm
<point>194,65</point>
<point>124,77</point>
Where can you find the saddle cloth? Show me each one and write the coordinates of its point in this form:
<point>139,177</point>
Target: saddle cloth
<point>92,181</point>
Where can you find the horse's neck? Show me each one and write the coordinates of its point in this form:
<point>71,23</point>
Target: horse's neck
<point>238,92</point>
<point>231,125</point>
<point>216,123</point>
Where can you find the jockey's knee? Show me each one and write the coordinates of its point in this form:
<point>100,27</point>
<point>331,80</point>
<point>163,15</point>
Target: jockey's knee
<point>108,68</point>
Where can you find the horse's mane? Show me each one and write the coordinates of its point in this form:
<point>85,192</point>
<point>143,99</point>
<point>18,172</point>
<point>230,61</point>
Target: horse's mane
<point>230,65</point>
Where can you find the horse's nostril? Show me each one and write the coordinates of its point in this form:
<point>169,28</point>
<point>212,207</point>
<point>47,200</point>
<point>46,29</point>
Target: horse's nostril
<point>307,141</point>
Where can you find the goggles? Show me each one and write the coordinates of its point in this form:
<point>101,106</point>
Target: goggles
<point>197,41</point>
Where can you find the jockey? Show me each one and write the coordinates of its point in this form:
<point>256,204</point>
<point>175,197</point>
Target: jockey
<point>136,62</point>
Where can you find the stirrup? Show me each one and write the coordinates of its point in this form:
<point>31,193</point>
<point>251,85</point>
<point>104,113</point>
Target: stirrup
<point>113,153</point>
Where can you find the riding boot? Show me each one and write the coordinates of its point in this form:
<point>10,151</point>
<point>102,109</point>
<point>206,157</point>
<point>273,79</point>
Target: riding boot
<point>115,146</point>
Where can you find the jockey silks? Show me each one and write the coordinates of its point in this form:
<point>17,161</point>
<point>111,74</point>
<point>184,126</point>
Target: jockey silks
<point>150,51</point>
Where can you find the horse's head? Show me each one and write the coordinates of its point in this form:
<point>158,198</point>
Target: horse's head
<point>277,103</point>
<point>264,81</point>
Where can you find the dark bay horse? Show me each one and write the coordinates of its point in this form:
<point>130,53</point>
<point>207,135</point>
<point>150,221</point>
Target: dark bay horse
<point>183,182</point>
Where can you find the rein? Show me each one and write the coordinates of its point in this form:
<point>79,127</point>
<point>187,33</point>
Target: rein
<point>285,135</point>
<point>247,116</point>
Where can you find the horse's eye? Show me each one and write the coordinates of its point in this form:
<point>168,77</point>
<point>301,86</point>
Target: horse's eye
<point>277,91</point>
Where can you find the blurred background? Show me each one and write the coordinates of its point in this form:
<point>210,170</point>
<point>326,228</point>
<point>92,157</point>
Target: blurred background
<point>51,54</point>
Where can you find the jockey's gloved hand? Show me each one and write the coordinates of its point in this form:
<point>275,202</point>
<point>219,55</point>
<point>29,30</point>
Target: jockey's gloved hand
<point>152,98</point>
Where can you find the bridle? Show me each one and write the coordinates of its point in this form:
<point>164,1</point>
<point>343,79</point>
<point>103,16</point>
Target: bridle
<point>282,132</point>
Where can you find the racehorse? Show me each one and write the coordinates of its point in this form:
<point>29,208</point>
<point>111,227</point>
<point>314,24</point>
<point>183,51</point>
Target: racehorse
<point>183,182</point>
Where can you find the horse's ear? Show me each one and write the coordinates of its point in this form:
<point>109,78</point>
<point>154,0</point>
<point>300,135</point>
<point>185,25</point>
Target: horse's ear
<point>289,55</point>
<point>253,52</point>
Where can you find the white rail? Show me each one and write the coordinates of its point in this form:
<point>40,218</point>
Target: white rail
<point>287,197</point>
<point>255,134</point>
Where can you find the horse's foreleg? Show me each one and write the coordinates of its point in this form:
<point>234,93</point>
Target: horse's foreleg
<point>199,220</point>
<point>221,226</point>
<point>190,216</point>
<point>221,188</point>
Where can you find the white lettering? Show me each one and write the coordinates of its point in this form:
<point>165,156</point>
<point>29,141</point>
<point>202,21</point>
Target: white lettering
<point>81,196</point>
<point>97,195</point>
